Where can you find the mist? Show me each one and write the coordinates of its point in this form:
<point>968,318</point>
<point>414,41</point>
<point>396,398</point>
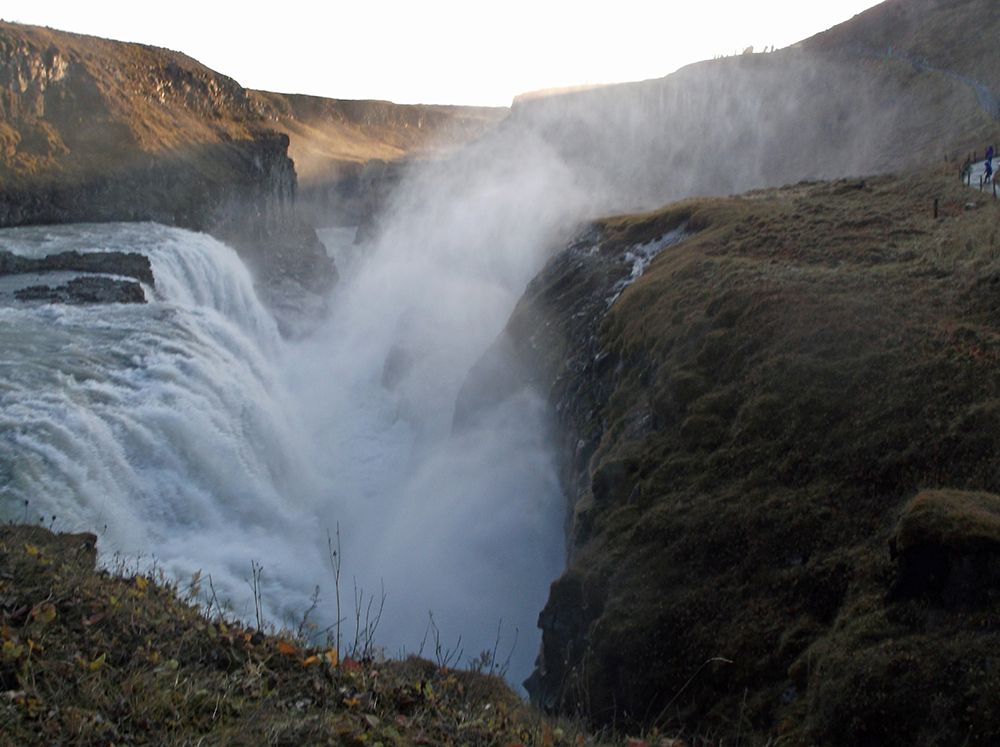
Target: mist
<point>467,524</point>
<point>188,431</point>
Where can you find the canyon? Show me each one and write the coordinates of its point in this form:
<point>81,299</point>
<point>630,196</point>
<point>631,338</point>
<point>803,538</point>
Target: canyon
<point>759,310</point>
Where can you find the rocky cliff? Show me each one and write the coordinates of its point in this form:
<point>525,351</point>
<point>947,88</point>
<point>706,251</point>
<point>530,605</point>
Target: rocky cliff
<point>348,154</point>
<point>94,130</point>
<point>97,130</point>
<point>740,428</point>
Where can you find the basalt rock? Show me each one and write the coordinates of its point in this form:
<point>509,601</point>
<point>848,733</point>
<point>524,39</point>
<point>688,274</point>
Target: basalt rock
<point>85,290</point>
<point>110,263</point>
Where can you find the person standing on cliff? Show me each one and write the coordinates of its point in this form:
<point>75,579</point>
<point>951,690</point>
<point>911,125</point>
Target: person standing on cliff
<point>989,163</point>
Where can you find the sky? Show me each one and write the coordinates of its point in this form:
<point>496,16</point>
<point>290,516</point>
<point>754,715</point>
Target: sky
<point>442,51</point>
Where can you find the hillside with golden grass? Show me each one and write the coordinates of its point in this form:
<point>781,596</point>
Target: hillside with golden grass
<point>75,105</point>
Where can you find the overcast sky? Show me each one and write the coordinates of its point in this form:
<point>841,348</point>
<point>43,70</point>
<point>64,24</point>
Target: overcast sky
<point>442,51</point>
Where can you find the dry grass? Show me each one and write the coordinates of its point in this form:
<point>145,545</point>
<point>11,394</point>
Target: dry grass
<point>98,658</point>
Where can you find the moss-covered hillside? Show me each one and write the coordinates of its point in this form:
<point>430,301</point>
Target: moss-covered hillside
<point>741,430</point>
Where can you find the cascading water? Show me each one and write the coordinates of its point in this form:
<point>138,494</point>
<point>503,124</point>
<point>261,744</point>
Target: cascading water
<point>162,427</point>
<point>188,431</point>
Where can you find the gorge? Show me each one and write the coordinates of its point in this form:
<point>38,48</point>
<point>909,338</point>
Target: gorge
<point>698,422</point>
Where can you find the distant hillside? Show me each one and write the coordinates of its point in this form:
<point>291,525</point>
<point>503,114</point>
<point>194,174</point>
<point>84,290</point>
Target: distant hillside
<point>133,97</point>
<point>959,36</point>
<point>834,106</point>
<point>333,141</point>
<point>92,129</point>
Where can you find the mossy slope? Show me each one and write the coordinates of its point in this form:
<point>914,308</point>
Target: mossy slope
<point>740,430</point>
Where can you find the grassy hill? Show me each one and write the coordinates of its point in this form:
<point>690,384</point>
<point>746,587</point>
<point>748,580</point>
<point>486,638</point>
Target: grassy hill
<point>741,431</point>
<point>954,35</point>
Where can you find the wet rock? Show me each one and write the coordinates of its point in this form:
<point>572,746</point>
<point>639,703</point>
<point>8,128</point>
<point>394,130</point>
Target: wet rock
<point>110,263</point>
<point>86,290</point>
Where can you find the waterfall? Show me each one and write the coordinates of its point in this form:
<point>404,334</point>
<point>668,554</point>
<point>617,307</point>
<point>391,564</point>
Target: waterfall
<point>187,434</point>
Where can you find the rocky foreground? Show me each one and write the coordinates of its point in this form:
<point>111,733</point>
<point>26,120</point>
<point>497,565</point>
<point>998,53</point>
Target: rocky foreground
<point>779,449</point>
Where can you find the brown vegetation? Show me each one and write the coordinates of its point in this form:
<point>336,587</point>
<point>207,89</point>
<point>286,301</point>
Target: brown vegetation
<point>93,658</point>
<point>758,408</point>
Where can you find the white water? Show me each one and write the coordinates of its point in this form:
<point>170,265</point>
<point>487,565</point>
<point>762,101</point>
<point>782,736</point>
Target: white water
<point>185,430</point>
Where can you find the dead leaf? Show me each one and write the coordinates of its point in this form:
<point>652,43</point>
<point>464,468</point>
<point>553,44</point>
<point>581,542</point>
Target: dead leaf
<point>43,614</point>
<point>286,648</point>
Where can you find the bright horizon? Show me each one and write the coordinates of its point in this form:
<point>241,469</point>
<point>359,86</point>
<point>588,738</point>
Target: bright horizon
<point>443,51</point>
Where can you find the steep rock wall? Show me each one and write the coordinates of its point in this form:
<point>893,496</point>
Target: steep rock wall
<point>93,130</point>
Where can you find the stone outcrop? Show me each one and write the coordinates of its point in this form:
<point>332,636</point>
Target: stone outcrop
<point>110,263</point>
<point>948,546</point>
<point>85,290</point>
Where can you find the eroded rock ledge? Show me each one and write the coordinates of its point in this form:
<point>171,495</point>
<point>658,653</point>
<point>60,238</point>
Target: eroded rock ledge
<point>74,278</point>
<point>129,264</point>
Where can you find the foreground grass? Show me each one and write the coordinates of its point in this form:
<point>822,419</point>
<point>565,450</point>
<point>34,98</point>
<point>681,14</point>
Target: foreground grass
<point>91,658</point>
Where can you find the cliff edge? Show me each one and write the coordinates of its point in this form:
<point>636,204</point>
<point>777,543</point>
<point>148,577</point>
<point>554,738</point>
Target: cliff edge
<point>740,429</point>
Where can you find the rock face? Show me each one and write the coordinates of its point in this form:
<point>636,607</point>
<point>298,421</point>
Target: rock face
<point>739,430</point>
<point>93,130</point>
<point>85,290</point>
<point>111,263</point>
<point>95,287</point>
